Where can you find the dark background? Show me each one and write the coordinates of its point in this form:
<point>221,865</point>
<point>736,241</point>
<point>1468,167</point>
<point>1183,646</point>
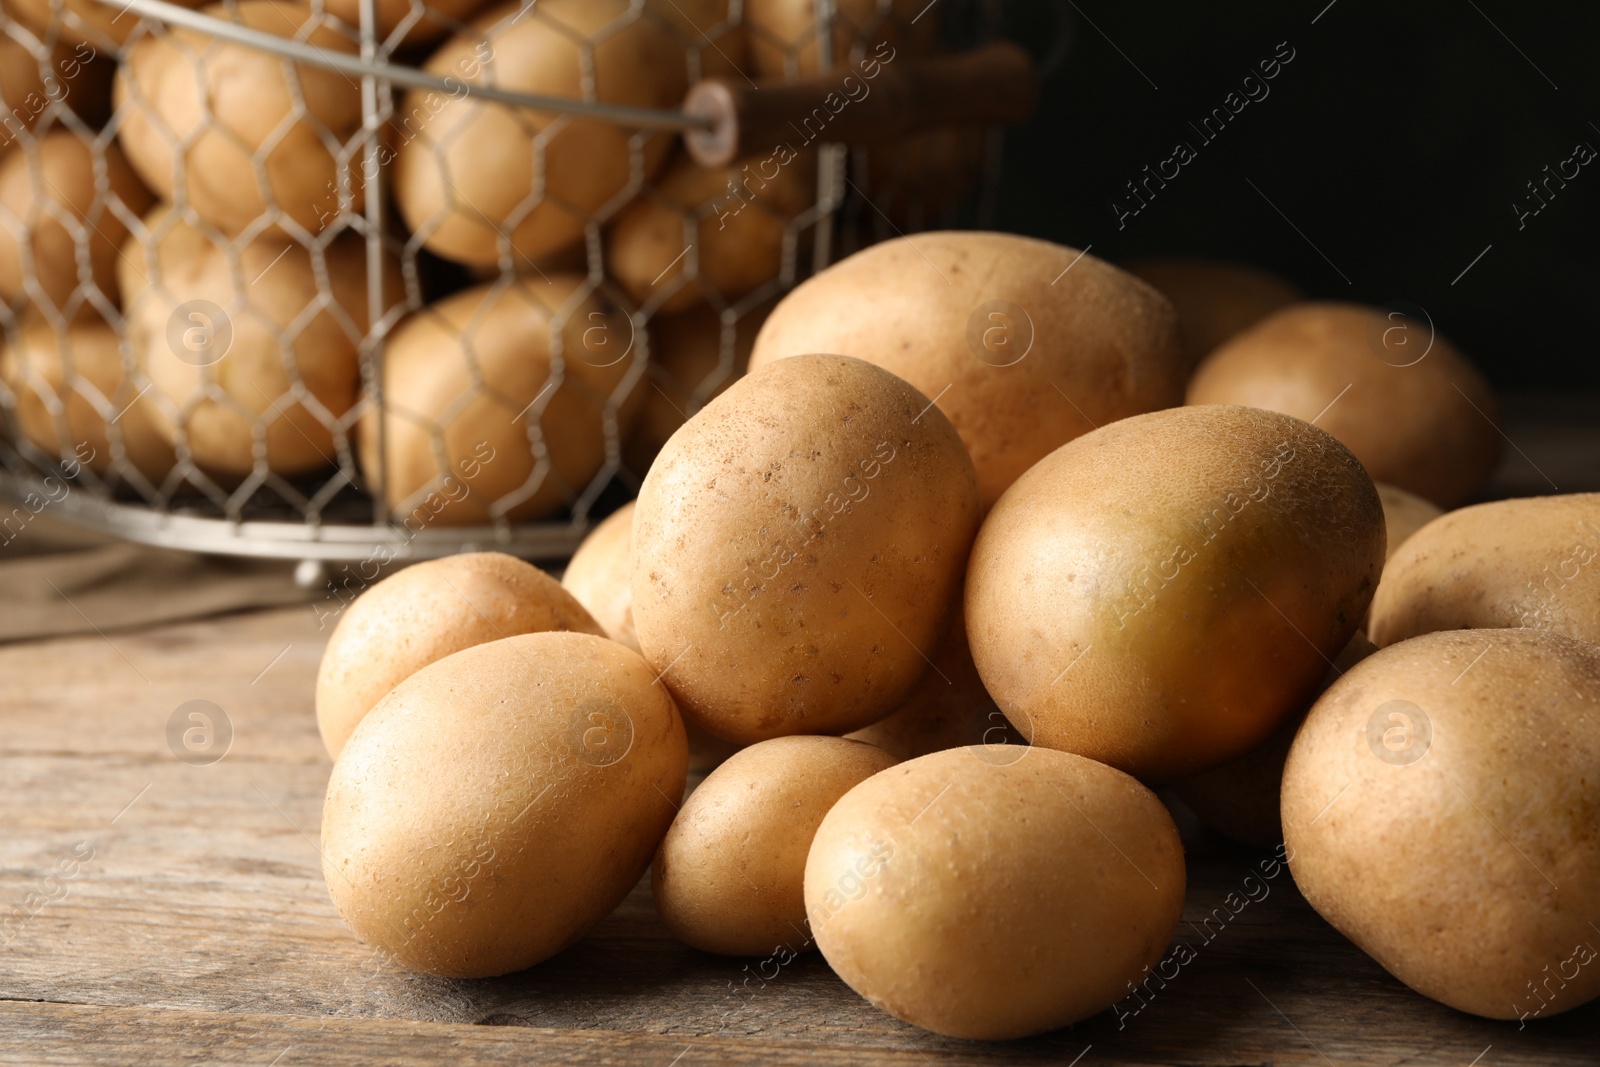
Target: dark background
<point>1397,140</point>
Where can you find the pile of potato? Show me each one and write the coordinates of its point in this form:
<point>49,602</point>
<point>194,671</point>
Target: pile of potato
<point>940,592</point>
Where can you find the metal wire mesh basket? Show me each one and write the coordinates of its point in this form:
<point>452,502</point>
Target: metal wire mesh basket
<point>318,280</point>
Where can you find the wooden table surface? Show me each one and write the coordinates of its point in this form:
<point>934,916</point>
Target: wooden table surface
<point>153,911</point>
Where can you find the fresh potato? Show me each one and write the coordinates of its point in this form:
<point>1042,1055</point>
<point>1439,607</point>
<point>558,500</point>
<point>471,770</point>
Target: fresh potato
<point>33,77</point>
<point>797,545</point>
<point>719,234</point>
<point>424,21</point>
<point>260,138</point>
<point>1531,562</point>
<point>1215,300</point>
<point>1163,593</point>
<point>100,25</point>
<point>730,875</point>
<point>501,801</point>
<point>1439,810</point>
<point>469,389</point>
<point>918,180</point>
<point>74,378</point>
<point>1403,515</point>
<point>995,900</point>
<point>51,220</point>
<point>1413,410</point>
<point>465,170</point>
<point>421,615</point>
<point>784,34</point>
<point>1024,344</point>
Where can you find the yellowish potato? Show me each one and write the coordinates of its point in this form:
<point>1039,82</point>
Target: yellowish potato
<point>1531,562</point>
<point>995,900</point>
<point>729,877</point>
<point>32,78</point>
<point>1215,300</point>
<point>785,34</point>
<point>797,544</point>
<point>1438,810</point>
<point>1163,593</point>
<point>1403,515</point>
<point>421,615</point>
<point>500,802</point>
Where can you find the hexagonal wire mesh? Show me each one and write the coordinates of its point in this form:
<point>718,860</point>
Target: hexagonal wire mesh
<point>260,306</point>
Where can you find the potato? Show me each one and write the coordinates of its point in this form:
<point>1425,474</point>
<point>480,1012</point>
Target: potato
<point>1438,810</point>
<point>469,392</point>
<point>729,877</point>
<point>798,545</point>
<point>226,128</point>
<point>466,172</point>
<point>33,77</point>
<point>784,33</point>
<point>1163,593</point>
<point>245,366</point>
<point>700,234</point>
<point>995,900</point>
<point>424,20</point>
<point>1413,410</point>
<point>918,180</point>
<point>711,33</point>
<point>500,802</point>
<point>1215,300</point>
<point>74,378</point>
<point>101,25</point>
<point>1403,515</point>
<point>1024,344</point>
<point>1533,562</point>
<point>421,615</point>
<point>51,219</point>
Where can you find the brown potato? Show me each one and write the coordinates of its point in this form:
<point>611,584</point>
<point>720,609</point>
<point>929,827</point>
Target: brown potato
<point>104,26</point>
<point>784,33</point>
<point>730,875</point>
<point>711,33</point>
<point>1215,300</point>
<point>74,76</point>
<point>1413,410</point>
<point>424,20</point>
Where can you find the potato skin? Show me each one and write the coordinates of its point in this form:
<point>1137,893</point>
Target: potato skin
<point>1438,867</point>
<point>424,613</point>
<point>995,900</point>
<point>1531,562</point>
<point>1163,593</point>
<point>1214,299</point>
<point>1427,427</point>
<point>1102,345</point>
<point>729,876</point>
<point>796,544</point>
<point>475,824</point>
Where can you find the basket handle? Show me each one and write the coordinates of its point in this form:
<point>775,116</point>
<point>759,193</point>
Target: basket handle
<point>870,101</point>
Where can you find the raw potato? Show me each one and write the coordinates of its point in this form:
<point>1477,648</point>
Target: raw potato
<point>1163,593</point>
<point>466,387</point>
<point>421,615</point>
<point>77,374</point>
<point>1019,365</point>
<point>426,20</point>
<point>1403,515</point>
<point>464,171</point>
<point>784,33</point>
<point>1533,562</point>
<point>1215,299</point>
<point>1413,410</point>
<point>796,544</point>
<point>501,802</point>
<point>253,141</point>
<point>730,876</point>
<point>233,406</point>
<point>738,220</point>
<point>995,900</point>
<point>1439,811</point>
<point>49,210</point>
<point>104,26</point>
<point>71,75</point>
<point>694,359</point>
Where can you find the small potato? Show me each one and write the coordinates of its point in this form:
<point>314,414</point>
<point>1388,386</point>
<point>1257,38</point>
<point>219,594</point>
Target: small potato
<point>50,213</point>
<point>995,900</point>
<point>1413,410</point>
<point>784,34</point>
<point>1439,810</point>
<point>1215,300</point>
<point>423,614</point>
<point>32,77</point>
<point>500,802</point>
<point>1403,515</point>
<point>797,544</point>
<point>1531,562</point>
<point>1163,593</point>
<point>730,876</point>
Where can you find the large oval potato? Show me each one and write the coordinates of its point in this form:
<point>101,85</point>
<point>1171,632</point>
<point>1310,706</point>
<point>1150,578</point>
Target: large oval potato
<point>421,615</point>
<point>501,801</point>
<point>995,900</point>
<point>730,875</point>
<point>798,549</point>
<point>1024,344</point>
<point>1163,593</point>
<point>1439,810</point>
<point>1531,562</point>
<point>785,34</point>
<point>1413,410</point>
<point>1215,300</point>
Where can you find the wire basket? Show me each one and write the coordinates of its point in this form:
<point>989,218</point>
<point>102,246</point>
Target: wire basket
<point>347,278</point>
